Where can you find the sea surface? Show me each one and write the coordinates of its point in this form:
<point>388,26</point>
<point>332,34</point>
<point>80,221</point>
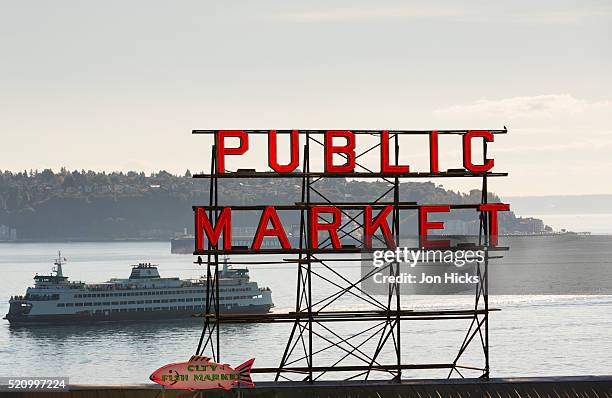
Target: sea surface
<point>529,336</point>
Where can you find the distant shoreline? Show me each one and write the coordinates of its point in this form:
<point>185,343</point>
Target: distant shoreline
<point>87,240</point>
<point>544,234</point>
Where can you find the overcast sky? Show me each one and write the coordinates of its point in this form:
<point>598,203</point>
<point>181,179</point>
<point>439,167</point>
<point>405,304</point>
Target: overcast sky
<point>119,85</point>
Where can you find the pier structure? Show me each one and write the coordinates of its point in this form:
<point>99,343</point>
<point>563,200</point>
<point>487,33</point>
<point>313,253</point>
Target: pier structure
<point>542,387</point>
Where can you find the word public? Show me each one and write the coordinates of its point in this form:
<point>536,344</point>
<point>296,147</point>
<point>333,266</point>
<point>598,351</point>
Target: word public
<point>327,219</point>
<point>347,150</point>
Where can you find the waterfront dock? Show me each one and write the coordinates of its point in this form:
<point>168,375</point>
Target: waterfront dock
<point>541,387</point>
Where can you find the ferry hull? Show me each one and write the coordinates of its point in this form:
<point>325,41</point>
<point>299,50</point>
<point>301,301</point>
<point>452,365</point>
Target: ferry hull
<point>126,316</point>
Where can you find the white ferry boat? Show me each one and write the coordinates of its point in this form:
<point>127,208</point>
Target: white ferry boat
<point>144,295</point>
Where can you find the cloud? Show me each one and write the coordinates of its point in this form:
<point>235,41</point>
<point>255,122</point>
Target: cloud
<point>360,14</point>
<point>576,16</point>
<point>539,105</point>
<point>490,14</point>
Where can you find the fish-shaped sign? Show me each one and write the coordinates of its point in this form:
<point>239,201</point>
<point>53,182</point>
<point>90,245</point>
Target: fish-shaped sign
<point>201,373</point>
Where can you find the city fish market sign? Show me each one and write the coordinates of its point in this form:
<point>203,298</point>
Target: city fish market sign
<point>201,373</point>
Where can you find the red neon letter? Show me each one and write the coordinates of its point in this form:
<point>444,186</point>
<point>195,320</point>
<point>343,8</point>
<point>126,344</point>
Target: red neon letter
<point>272,160</point>
<point>370,226</point>
<point>385,167</point>
<point>433,152</point>
<point>467,151</point>
<point>332,227</point>
<point>348,150</point>
<point>277,230</point>
<point>222,150</point>
<point>425,225</point>
<point>493,208</point>
<point>224,223</point>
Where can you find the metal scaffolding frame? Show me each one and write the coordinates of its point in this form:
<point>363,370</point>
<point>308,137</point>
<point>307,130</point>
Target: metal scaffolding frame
<point>375,329</point>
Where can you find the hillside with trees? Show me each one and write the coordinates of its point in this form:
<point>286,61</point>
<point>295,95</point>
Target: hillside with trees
<point>87,205</point>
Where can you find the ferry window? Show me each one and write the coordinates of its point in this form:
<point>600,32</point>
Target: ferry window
<point>164,301</point>
<point>106,303</point>
<point>148,301</point>
<point>115,310</point>
<point>115,303</point>
<point>78,304</point>
<point>131,302</point>
<point>87,304</point>
<point>60,305</point>
<point>156,301</point>
<point>122,302</point>
<point>140,302</point>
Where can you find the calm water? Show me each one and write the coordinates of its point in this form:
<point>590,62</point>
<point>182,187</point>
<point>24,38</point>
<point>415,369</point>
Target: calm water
<point>530,336</point>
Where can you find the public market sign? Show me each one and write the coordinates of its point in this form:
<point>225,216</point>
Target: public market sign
<point>340,145</point>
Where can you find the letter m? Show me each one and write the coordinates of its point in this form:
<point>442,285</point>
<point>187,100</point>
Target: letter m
<point>203,225</point>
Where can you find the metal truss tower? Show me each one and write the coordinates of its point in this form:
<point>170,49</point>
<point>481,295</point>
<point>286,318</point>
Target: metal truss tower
<point>331,336</point>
